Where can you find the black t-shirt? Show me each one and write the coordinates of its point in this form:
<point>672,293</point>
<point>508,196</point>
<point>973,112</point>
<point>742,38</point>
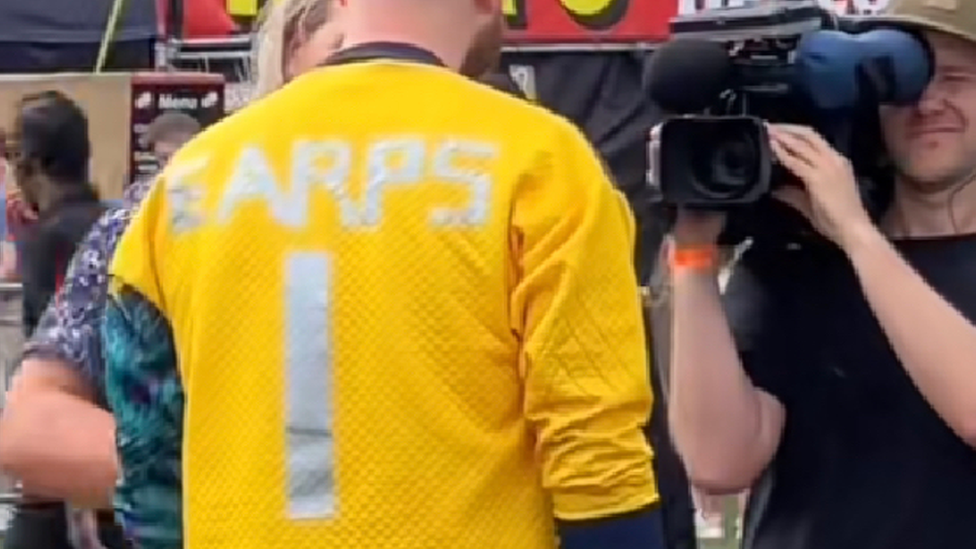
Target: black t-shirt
<point>46,249</point>
<point>864,462</point>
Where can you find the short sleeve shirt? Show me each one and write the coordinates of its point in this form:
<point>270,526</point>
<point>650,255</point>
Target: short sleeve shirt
<point>864,461</point>
<point>70,328</point>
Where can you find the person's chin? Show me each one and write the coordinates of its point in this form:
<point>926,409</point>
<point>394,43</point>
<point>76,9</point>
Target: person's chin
<point>930,177</point>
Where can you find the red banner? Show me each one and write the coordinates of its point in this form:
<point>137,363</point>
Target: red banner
<point>588,22</point>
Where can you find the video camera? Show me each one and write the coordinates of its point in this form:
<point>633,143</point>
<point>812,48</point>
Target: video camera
<point>728,71</point>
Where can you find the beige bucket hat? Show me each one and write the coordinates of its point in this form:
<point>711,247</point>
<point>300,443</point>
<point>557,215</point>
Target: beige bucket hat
<point>954,17</point>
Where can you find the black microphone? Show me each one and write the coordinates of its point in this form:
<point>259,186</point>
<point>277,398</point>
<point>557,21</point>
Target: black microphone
<point>687,76</point>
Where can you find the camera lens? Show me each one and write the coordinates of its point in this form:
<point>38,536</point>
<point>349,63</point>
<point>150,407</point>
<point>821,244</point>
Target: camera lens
<point>714,162</point>
<point>728,165</point>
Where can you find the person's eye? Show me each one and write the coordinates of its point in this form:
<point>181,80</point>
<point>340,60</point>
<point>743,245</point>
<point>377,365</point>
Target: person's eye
<point>956,76</point>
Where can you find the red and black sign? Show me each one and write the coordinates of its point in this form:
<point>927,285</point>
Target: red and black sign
<point>588,22</point>
<point>197,94</point>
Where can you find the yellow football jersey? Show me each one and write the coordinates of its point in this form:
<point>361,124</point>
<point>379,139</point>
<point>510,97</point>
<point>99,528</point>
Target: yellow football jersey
<point>405,316</point>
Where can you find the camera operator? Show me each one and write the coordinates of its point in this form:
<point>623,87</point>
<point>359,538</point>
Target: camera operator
<point>839,382</point>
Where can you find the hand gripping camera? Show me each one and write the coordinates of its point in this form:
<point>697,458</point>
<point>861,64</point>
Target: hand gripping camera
<point>728,71</point>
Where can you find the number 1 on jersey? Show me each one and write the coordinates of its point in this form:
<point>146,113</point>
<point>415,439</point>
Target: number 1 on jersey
<point>309,443</point>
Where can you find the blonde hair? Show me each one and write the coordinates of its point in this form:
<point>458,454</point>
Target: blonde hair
<point>283,26</point>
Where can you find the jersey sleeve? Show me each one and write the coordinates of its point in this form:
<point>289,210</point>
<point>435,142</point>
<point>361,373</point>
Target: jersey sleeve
<point>759,326</point>
<point>576,308</point>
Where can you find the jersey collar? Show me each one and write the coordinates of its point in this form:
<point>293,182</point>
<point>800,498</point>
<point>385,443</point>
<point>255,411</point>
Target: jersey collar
<point>374,51</point>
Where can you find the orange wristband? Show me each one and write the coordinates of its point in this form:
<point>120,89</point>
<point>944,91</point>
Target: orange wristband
<point>696,258</point>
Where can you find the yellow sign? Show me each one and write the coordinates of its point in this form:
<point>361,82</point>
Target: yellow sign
<point>590,14</point>
<point>242,8</point>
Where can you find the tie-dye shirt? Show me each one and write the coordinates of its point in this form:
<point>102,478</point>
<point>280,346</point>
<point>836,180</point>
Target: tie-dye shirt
<point>148,499</point>
<point>69,330</point>
<point>143,390</point>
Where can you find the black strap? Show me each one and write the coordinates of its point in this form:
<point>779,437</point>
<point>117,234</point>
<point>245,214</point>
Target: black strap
<point>383,50</point>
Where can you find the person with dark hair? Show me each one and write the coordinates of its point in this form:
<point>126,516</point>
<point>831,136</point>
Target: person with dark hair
<point>49,153</point>
<point>168,132</point>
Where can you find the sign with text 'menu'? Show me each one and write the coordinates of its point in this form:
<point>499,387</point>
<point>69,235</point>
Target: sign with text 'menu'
<point>581,22</point>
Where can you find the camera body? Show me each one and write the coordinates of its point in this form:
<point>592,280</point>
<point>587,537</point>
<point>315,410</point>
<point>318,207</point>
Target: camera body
<point>728,72</point>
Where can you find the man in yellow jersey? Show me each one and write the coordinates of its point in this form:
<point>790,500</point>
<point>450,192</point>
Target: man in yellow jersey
<point>403,311</point>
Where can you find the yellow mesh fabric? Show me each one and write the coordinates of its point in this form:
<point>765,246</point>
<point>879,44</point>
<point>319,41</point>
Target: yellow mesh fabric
<point>465,382</point>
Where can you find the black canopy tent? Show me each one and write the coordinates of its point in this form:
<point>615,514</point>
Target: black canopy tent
<point>40,36</point>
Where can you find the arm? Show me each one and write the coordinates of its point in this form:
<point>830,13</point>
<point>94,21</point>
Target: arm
<point>53,435</point>
<point>143,388</point>
<point>726,429</point>
<point>16,216</point>
<point>934,342</point>
<point>54,439</point>
<point>8,261</point>
<point>576,308</point>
